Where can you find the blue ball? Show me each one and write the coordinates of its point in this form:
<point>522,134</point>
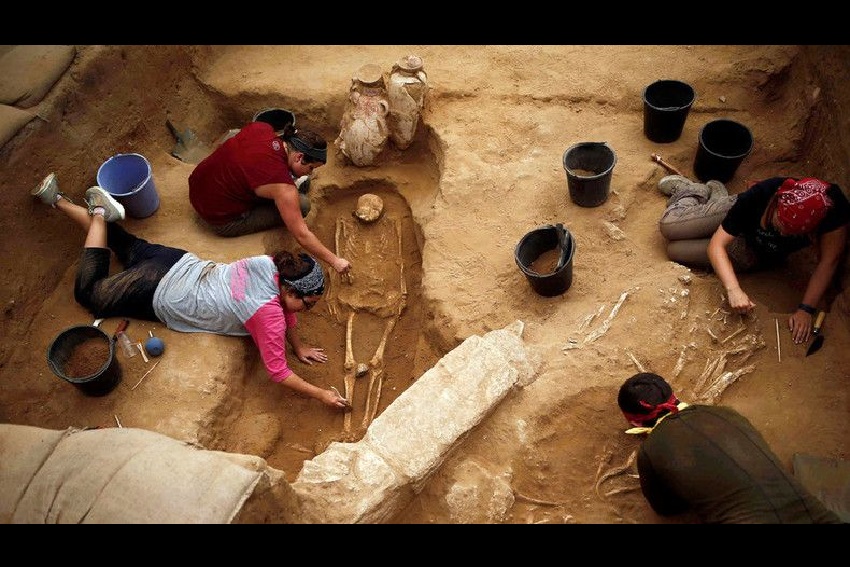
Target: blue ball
<point>154,346</point>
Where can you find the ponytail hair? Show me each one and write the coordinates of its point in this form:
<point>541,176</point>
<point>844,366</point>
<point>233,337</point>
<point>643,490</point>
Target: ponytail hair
<point>308,142</point>
<point>301,273</point>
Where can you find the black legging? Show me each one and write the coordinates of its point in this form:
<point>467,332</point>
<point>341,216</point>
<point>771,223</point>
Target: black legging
<point>128,293</point>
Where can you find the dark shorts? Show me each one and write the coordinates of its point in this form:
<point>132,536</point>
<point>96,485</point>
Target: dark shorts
<point>128,293</point>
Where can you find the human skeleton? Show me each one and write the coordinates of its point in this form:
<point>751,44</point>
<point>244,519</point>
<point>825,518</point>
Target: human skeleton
<point>375,285</point>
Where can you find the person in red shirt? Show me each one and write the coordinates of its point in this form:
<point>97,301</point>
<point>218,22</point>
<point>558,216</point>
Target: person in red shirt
<point>248,184</point>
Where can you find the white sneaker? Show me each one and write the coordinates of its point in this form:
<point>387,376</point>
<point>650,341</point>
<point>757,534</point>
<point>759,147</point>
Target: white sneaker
<point>98,197</point>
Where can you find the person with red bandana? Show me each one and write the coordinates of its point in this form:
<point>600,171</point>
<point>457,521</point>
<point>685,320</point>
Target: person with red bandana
<point>250,184</point>
<point>757,229</point>
<point>710,461</point>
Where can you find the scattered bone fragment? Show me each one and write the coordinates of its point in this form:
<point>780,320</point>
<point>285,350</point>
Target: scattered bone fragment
<point>607,323</point>
<point>680,363</point>
<point>715,390</point>
<point>614,231</point>
<point>733,335</point>
<point>710,365</point>
<point>636,362</point>
<point>625,467</point>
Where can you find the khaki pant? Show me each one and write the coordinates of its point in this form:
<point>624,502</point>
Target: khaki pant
<point>688,223</point>
<point>258,219</point>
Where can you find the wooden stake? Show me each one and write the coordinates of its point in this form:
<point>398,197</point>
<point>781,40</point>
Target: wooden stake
<point>145,374</point>
<point>778,345</point>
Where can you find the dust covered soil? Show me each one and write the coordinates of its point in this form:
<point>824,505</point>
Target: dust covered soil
<point>484,169</point>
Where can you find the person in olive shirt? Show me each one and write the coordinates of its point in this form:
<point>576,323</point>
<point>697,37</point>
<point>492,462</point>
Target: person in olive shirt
<point>711,461</point>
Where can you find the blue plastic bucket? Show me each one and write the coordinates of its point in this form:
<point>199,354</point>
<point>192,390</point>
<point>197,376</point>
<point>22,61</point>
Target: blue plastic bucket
<point>129,179</point>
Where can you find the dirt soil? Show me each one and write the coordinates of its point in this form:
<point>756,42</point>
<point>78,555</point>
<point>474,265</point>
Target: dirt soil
<point>485,169</point>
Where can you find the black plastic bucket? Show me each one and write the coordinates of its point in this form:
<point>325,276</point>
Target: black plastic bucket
<point>536,243</point>
<point>277,117</point>
<point>666,105</point>
<point>589,166</point>
<point>723,145</point>
<point>85,356</point>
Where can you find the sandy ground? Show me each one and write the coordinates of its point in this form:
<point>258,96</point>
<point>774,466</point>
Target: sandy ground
<point>484,169</point>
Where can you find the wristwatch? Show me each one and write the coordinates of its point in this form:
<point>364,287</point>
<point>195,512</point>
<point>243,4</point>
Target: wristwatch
<point>807,308</point>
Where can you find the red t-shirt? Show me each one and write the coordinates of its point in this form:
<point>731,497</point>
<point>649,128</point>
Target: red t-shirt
<point>221,187</point>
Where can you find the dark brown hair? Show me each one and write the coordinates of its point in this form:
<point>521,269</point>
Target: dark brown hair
<point>307,136</point>
<point>290,266</point>
<point>646,387</point>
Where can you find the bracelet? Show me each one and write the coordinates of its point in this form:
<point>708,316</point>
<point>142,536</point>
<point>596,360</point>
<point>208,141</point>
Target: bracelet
<point>807,308</point>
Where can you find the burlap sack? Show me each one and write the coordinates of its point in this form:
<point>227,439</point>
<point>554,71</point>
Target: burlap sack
<point>28,72</point>
<point>11,120</point>
<point>120,475</point>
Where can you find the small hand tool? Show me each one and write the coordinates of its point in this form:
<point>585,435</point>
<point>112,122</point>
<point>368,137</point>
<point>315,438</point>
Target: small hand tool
<point>817,342</point>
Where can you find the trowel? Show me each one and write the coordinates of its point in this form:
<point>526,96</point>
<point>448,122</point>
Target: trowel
<point>188,147</point>
<point>817,342</point>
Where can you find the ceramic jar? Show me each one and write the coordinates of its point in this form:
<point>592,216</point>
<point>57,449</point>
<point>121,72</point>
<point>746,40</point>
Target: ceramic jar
<point>406,91</point>
<point>363,128</point>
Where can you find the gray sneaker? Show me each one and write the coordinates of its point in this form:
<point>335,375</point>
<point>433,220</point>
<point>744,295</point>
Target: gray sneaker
<point>98,197</point>
<point>673,183</point>
<point>718,190</point>
<point>48,190</point>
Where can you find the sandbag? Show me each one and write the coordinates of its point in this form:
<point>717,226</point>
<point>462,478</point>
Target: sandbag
<point>28,72</point>
<point>120,475</point>
<point>11,120</point>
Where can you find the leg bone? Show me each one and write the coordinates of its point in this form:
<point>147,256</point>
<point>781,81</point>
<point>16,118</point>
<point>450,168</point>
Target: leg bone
<point>350,367</point>
<point>377,365</point>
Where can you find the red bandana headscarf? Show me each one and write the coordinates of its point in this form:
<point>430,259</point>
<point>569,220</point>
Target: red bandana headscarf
<point>801,205</point>
<point>652,412</point>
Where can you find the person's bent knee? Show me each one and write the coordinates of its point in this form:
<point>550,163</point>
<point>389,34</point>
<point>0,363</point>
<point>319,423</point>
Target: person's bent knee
<point>689,252</point>
<point>86,299</point>
<point>304,202</point>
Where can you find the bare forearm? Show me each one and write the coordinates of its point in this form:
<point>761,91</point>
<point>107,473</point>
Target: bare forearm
<point>314,246</point>
<point>286,199</point>
<point>301,386</point>
<point>819,282</point>
<point>722,265</point>
<point>738,299</point>
<point>831,248</point>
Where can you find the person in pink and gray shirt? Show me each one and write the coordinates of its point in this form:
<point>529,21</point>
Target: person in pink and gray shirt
<point>257,296</point>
